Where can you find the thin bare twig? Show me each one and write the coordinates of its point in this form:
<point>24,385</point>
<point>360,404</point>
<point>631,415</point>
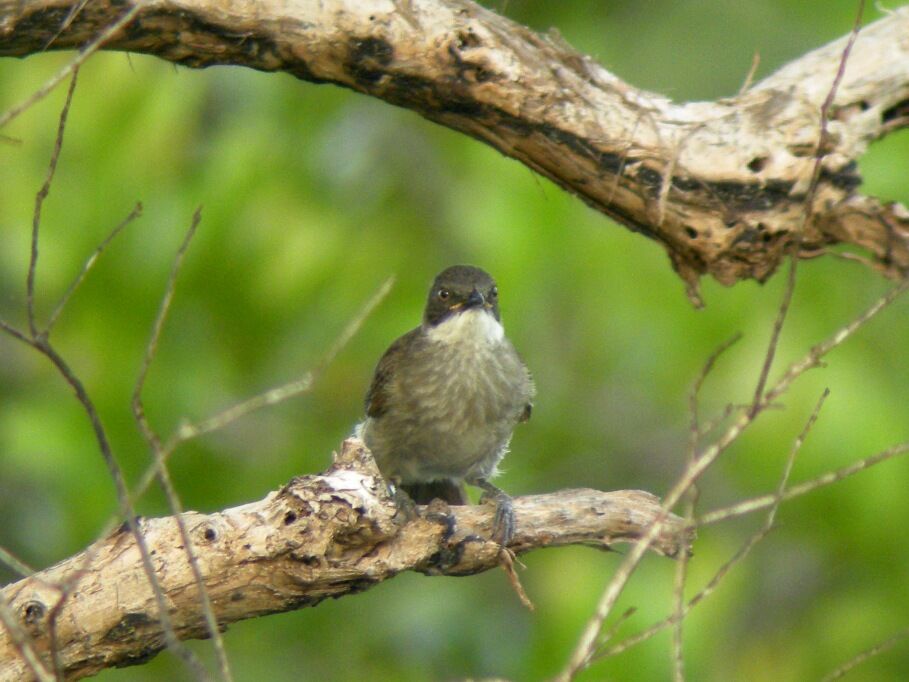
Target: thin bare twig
<point>695,392</point>
<point>73,13</point>
<point>16,564</point>
<point>680,579</point>
<point>681,572</point>
<point>724,414</point>
<point>39,341</point>
<point>163,310</point>
<point>127,509</point>
<point>15,333</point>
<point>39,203</point>
<point>681,612</point>
<point>749,77</point>
<point>764,501</point>
<point>813,358</point>
<point>154,443</point>
<point>189,430</point>
<point>819,154</point>
<point>507,561</point>
<point>703,462</point>
<point>585,647</point>
<point>87,266</point>
<point>876,650</point>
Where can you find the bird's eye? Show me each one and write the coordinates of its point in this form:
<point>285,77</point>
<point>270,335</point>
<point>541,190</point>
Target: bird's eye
<point>493,293</point>
<point>443,294</point>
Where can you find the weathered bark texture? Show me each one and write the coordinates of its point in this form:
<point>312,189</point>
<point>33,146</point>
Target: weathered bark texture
<point>721,185</point>
<point>319,536</point>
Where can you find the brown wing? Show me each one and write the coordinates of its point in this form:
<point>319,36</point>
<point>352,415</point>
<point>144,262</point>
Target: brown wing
<point>377,396</point>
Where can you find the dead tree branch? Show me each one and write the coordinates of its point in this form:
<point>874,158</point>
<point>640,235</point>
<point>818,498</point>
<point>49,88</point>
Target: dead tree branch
<point>321,536</point>
<point>721,185</point>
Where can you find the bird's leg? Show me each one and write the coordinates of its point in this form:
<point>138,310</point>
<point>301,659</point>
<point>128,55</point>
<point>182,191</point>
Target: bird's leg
<point>503,522</point>
<point>403,501</point>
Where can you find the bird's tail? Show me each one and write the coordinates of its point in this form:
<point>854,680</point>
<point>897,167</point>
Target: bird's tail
<point>450,491</point>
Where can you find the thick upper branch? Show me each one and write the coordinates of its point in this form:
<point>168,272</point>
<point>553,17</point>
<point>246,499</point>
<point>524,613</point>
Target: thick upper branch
<point>319,536</point>
<point>721,185</point>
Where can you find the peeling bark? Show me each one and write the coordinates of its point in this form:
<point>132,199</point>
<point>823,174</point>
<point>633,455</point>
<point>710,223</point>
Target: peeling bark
<point>329,535</point>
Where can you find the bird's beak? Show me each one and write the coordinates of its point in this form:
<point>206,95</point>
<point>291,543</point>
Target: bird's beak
<point>475,300</point>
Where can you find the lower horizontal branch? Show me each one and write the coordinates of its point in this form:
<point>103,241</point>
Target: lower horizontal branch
<point>319,536</point>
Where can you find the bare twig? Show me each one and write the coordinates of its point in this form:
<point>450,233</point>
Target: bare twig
<point>127,509</point>
<point>876,650</point>
<point>695,392</point>
<point>154,443</point>
<point>682,611</point>
<point>749,77</point>
<point>160,318</point>
<point>677,657</point>
<point>585,647</point>
<point>39,203</point>
<point>189,430</point>
<point>73,13</point>
<point>39,340</point>
<point>580,657</point>
<point>694,436</point>
<point>87,266</point>
<point>15,333</point>
<point>813,357</point>
<point>16,564</point>
<point>764,501</point>
<point>507,561</point>
<point>821,150</point>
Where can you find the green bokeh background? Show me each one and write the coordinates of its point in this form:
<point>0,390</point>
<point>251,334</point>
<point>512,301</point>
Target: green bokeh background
<point>312,197</point>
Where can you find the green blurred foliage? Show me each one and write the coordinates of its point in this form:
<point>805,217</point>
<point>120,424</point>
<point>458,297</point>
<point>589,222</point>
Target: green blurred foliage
<point>312,197</point>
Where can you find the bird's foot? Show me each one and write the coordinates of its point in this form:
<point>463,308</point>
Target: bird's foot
<point>503,523</point>
<point>407,508</point>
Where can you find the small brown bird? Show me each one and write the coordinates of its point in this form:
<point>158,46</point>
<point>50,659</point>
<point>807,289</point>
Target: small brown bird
<point>447,395</point>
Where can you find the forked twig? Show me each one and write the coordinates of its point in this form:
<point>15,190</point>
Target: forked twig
<point>188,430</point>
<point>127,508</point>
<point>819,154</point>
<point>581,656</point>
<point>39,340</point>
<point>694,437</point>
<point>154,443</point>
<point>681,612</point>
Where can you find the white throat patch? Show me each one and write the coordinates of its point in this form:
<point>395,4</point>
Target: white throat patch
<point>475,326</point>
